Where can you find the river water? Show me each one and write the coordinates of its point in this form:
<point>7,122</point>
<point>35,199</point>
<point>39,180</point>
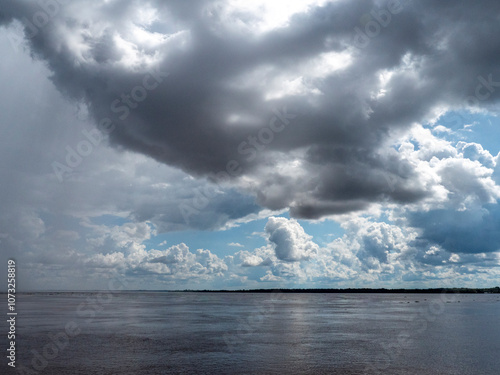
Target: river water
<point>256,333</point>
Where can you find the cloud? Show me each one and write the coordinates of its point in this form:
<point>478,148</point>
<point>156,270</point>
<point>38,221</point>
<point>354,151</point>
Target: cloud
<point>289,240</point>
<point>469,231</point>
<point>262,256</point>
<point>123,236</point>
<point>235,244</point>
<point>252,260</point>
<point>218,73</point>
<point>475,151</point>
<point>175,263</point>
<point>269,277</point>
<point>109,260</point>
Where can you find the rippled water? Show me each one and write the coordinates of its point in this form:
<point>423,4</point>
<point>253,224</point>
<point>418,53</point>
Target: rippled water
<point>241,333</point>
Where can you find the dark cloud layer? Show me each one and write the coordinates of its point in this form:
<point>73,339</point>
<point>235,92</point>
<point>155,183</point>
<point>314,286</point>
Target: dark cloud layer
<point>214,96</point>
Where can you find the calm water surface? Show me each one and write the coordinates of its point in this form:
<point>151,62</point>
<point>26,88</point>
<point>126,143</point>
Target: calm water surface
<point>241,333</point>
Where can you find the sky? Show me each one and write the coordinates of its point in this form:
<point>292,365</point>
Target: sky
<point>250,144</point>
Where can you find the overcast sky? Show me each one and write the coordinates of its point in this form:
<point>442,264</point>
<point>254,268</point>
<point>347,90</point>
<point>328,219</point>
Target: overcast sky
<point>250,144</point>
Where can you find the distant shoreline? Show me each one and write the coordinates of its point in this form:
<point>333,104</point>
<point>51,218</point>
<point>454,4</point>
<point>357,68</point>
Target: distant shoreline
<point>495,290</point>
<point>360,290</point>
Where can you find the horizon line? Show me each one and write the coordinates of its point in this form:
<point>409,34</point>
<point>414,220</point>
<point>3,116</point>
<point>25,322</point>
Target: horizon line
<point>285,290</point>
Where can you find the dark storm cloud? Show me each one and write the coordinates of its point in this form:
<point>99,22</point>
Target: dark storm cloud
<point>439,53</point>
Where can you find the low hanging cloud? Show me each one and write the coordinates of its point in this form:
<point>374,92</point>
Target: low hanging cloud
<point>177,263</point>
<point>193,87</point>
